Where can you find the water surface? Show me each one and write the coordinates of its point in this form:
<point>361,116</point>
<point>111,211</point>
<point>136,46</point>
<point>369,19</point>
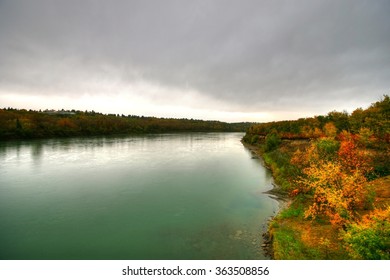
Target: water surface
<point>168,196</point>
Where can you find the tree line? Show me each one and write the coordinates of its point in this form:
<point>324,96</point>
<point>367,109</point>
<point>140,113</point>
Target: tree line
<point>26,124</point>
<point>374,120</point>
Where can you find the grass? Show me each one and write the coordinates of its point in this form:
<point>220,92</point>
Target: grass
<point>298,239</point>
<point>287,244</point>
<point>295,210</point>
<point>279,163</point>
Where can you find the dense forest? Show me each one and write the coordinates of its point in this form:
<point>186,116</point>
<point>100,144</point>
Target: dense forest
<point>25,124</point>
<point>335,171</point>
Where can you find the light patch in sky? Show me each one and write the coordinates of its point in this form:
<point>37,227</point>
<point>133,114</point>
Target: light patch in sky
<point>122,104</point>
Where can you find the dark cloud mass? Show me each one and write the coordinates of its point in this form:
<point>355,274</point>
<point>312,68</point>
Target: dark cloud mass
<point>247,55</point>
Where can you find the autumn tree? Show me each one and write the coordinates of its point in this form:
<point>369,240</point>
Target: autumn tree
<point>334,175</point>
<point>336,194</point>
<point>351,156</point>
<point>330,130</point>
<point>321,149</point>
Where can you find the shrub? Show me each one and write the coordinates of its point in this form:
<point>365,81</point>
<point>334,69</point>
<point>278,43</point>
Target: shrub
<point>272,141</point>
<point>336,195</point>
<point>370,238</point>
<point>254,139</point>
<point>327,148</point>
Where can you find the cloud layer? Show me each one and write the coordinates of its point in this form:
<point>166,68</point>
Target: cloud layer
<point>230,56</point>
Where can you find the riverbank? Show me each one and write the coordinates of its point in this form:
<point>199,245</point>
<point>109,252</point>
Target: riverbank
<point>276,193</point>
<point>290,234</point>
<point>336,169</point>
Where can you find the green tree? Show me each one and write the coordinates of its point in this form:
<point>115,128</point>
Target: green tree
<point>272,141</point>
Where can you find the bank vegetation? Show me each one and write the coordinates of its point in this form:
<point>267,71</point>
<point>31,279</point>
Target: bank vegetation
<point>336,171</point>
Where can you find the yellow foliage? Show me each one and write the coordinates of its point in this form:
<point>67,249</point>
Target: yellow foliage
<point>303,159</point>
<point>330,130</point>
<point>336,194</point>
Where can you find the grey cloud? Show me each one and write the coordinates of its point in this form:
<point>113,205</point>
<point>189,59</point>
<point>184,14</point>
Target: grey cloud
<point>256,55</point>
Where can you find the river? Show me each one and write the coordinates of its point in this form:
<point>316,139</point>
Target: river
<point>164,196</point>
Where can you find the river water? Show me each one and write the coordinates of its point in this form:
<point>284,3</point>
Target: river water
<point>165,196</point>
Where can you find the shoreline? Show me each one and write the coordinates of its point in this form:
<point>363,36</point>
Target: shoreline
<point>275,193</point>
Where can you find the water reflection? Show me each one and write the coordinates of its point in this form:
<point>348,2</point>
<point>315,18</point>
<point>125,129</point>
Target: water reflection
<point>37,152</point>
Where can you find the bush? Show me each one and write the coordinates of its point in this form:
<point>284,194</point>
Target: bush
<point>254,139</point>
<point>282,170</point>
<point>327,148</point>
<point>272,141</point>
<point>370,238</point>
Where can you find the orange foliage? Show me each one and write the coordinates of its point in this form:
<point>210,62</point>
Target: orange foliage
<point>294,192</point>
<point>303,159</point>
<point>378,214</point>
<point>66,123</point>
<point>317,133</point>
<point>351,157</point>
<point>338,185</point>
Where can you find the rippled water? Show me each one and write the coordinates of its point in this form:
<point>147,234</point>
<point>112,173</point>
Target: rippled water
<point>168,196</point>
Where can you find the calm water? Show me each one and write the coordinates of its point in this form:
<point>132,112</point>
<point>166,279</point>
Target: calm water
<point>170,196</point>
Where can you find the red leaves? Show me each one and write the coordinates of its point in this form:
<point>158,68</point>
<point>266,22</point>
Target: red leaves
<point>351,156</point>
<point>294,192</point>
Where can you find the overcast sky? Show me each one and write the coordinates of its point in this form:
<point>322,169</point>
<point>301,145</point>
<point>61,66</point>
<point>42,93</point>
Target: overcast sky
<point>242,60</point>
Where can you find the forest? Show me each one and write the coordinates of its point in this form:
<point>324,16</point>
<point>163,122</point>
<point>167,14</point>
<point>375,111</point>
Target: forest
<point>28,124</point>
<point>334,172</point>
